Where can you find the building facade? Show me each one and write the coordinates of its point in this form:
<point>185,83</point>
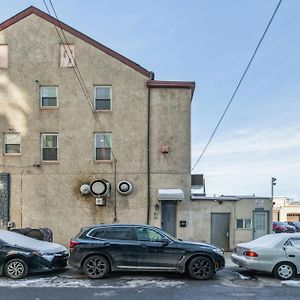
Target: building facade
<point>228,220</point>
<point>74,112</point>
<point>286,209</point>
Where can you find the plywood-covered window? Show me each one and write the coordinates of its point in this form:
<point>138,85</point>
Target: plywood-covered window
<point>67,56</point>
<point>3,56</point>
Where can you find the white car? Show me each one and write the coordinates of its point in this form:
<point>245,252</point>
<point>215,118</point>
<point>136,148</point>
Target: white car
<point>278,254</point>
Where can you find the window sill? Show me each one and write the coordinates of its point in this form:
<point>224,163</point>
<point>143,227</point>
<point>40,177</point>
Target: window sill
<point>50,162</point>
<point>103,161</point>
<point>102,110</point>
<point>48,107</point>
<point>12,154</point>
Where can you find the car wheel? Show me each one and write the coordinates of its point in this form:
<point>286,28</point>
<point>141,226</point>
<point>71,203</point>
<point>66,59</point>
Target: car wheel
<point>201,268</point>
<point>284,271</point>
<point>16,268</point>
<point>96,267</point>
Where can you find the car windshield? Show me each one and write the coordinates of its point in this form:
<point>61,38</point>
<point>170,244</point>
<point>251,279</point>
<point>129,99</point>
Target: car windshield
<point>281,223</point>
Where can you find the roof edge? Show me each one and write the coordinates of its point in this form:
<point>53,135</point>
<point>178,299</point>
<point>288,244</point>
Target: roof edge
<point>173,84</point>
<point>33,10</point>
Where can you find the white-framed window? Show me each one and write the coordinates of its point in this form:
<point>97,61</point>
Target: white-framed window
<point>243,223</point>
<point>48,96</point>
<point>12,143</point>
<point>3,56</point>
<point>102,142</point>
<point>67,56</point>
<point>49,146</point>
<point>102,97</point>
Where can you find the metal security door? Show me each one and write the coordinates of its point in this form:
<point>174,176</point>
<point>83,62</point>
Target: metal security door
<point>4,199</point>
<point>220,230</point>
<point>168,216</point>
<point>260,223</point>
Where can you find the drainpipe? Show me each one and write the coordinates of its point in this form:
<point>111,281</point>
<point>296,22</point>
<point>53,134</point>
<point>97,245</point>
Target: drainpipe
<point>148,152</point>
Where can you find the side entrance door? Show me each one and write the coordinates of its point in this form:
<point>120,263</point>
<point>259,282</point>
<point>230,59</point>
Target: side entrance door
<point>220,230</point>
<point>168,217</point>
<point>260,223</point>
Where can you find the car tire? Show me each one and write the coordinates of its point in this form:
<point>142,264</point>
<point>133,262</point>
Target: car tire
<point>96,267</point>
<point>16,268</point>
<point>284,271</point>
<point>201,268</point>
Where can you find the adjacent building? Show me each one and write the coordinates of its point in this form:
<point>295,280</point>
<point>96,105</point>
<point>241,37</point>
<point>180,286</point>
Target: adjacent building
<point>286,209</point>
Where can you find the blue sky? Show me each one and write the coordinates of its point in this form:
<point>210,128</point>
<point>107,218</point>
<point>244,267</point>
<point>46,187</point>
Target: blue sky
<point>211,42</point>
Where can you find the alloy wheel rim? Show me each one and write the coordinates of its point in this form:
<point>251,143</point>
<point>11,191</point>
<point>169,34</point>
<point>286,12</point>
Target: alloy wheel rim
<point>285,271</point>
<point>15,269</point>
<point>96,267</point>
<point>201,268</point>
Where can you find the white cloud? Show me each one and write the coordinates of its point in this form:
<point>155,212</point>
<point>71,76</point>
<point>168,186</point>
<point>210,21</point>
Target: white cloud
<point>244,162</point>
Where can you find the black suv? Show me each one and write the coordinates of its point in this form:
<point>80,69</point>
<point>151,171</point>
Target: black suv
<point>99,249</point>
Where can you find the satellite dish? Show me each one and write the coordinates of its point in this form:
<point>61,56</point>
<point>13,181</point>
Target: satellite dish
<point>100,188</point>
<point>125,187</point>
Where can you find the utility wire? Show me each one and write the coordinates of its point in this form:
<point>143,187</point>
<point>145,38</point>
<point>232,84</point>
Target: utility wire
<point>76,69</point>
<point>238,86</point>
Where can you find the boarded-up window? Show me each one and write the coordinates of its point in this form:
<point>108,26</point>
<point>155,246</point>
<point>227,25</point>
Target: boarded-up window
<point>67,56</point>
<point>3,56</point>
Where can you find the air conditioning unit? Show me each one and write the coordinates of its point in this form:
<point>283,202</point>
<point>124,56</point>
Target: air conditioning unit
<point>125,187</point>
<point>100,188</point>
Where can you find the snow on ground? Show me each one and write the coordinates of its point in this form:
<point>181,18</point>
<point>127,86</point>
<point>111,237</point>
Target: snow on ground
<point>291,283</point>
<point>74,283</point>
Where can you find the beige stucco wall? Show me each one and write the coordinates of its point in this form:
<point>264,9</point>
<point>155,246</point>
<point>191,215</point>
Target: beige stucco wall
<point>283,211</point>
<point>198,215</point>
<point>48,196</point>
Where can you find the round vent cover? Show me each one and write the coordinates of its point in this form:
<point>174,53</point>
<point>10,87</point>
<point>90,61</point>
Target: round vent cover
<point>85,189</point>
<point>100,187</point>
<point>125,187</point>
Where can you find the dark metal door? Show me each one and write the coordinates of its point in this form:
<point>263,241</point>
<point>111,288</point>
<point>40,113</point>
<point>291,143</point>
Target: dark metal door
<point>4,198</point>
<point>220,230</point>
<point>168,217</point>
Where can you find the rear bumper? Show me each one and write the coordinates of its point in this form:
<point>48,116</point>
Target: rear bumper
<point>245,262</point>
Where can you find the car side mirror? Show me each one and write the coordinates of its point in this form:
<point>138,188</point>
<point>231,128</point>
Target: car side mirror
<point>165,242</point>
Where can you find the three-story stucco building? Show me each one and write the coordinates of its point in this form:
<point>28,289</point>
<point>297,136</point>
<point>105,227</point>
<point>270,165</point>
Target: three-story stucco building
<point>76,115</point>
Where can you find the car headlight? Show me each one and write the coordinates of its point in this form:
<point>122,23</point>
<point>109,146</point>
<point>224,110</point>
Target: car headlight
<point>219,251</point>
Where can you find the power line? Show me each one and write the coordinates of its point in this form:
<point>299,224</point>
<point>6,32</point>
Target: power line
<point>77,72</point>
<point>238,86</point>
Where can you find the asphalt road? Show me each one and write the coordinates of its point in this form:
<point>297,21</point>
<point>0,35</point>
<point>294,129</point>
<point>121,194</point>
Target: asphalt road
<point>230,283</point>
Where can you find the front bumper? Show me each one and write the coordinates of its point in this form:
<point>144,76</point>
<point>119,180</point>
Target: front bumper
<point>219,263</point>
<point>49,262</point>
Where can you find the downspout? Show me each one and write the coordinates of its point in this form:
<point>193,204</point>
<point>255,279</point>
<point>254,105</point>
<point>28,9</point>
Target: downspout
<point>149,152</point>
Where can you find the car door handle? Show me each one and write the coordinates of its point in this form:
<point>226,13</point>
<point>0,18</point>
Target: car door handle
<point>292,255</point>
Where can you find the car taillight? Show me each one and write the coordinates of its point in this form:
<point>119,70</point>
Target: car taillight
<point>250,253</point>
<point>73,244</point>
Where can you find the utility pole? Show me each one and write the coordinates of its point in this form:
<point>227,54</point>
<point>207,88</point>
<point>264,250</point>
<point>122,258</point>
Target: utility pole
<point>273,183</point>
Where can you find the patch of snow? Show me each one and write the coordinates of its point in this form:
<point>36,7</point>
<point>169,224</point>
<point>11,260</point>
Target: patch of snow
<point>291,283</point>
<point>242,277</point>
<point>58,282</point>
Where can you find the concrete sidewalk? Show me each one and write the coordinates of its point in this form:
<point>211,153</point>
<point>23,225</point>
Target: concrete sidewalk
<point>228,261</point>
